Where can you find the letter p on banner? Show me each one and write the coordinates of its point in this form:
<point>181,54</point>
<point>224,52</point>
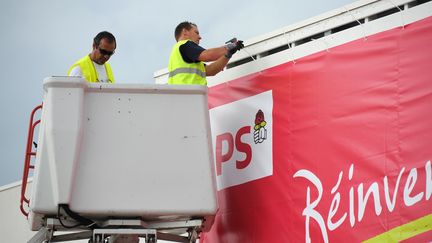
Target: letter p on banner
<point>242,140</point>
<point>222,156</point>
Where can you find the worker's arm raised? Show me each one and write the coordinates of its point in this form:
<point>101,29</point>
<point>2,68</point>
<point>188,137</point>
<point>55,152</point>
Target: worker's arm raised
<point>212,54</point>
<point>232,47</point>
<point>217,66</point>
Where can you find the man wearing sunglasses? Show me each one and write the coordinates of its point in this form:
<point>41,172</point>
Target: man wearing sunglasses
<point>94,67</point>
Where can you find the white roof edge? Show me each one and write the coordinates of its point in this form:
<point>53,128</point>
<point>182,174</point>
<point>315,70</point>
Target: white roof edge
<point>312,20</point>
<point>12,185</point>
<point>160,72</point>
<point>322,17</point>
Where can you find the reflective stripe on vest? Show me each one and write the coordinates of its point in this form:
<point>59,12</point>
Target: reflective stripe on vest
<point>89,72</point>
<point>181,72</point>
<point>187,70</point>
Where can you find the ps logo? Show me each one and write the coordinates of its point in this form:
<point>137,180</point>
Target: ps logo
<point>242,145</point>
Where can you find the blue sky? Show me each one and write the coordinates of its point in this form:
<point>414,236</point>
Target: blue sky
<point>43,38</point>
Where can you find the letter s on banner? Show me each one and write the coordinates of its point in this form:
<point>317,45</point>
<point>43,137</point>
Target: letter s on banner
<point>243,147</point>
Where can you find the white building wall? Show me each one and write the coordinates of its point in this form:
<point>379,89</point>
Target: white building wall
<point>13,224</point>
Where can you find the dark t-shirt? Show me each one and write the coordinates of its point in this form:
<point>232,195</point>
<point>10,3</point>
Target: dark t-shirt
<point>190,51</point>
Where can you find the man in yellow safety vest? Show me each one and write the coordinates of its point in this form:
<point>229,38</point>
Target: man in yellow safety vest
<point>186,64</point>
<point>94,67</point>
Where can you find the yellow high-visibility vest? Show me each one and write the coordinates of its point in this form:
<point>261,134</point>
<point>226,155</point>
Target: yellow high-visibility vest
<point>181,72</point>
<point>89,72</point>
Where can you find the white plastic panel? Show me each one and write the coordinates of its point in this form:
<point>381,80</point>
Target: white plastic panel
<point>124,150</point>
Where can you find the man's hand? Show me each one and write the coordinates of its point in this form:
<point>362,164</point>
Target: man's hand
<point>233,46</point>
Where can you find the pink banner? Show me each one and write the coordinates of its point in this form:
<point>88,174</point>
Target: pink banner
<point>335,147</point>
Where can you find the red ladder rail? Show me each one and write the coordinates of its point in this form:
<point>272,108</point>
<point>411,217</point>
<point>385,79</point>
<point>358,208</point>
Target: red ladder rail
<point>27,160</point>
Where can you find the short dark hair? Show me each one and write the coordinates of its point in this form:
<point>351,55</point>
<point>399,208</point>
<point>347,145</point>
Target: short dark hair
<point>104,35</point>
<point>183,25</point>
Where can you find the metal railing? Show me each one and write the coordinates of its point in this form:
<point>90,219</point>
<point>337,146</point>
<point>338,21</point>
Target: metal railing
<point>29,153</point>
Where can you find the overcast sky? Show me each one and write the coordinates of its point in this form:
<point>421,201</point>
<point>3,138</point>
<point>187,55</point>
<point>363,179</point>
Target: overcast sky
<point>43,38</point>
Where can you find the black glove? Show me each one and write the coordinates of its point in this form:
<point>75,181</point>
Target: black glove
<point>239,45</point>
<point>233,46</point>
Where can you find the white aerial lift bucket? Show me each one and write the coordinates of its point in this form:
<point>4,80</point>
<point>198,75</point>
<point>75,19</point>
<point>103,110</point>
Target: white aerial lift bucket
<point>108,153</point>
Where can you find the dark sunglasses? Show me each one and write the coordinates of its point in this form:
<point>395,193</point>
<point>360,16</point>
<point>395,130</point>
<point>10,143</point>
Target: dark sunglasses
<point>105,52</point>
